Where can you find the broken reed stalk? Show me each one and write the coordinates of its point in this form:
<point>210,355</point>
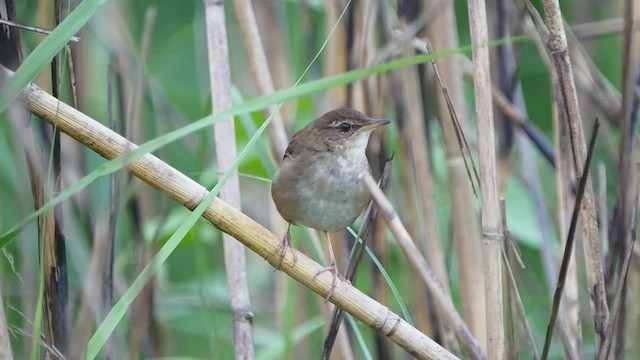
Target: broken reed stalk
<point>226,154</point>
<point>188,193</point>
<point>568,249</point>
<point>419,263</point>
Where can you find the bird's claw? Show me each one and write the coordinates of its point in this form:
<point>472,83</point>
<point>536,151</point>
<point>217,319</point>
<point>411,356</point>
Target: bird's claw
<point>281,250</point>
<point>332,268</point>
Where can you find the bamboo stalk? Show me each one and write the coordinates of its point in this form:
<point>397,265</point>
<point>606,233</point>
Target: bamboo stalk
<point>492,232</point>
<point>557,46</point>
<point>188,193</point>
<point>225,149</point>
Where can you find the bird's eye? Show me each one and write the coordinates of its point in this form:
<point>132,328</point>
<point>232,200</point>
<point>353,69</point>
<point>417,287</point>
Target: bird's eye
<point>344,127</point>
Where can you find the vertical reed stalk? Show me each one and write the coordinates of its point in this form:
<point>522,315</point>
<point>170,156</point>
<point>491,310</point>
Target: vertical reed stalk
<point>557,45</point>
<point>464,218</point>
<point>225,149</point>
<point>492,232</point>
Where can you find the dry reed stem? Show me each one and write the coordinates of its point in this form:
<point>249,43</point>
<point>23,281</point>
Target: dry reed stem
<point>188,193</point>
<point>53,242</point>
<point>623,221</point>
<point>428,229</point>
<point>142,313</point>
<point>568,249</point>
<point>431,243</point>
<point>492,232</point>
<point>569,323</point>
<point>225,150</point>
<point>464,217</point>
<point>569,319</point>
<point>336,52</point>
<point>419,263</point>
<point>557,46</point>
<point>261,73</point>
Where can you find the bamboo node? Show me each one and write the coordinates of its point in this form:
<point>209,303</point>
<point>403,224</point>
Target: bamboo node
<point>378,323</point>
<point>394,328</point>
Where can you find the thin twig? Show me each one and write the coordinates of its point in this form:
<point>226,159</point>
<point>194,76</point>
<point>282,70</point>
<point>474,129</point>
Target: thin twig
<point>568,249</point>
<point>465,150</point>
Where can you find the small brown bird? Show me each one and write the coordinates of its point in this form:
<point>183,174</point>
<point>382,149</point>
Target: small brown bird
<point>318,183</point>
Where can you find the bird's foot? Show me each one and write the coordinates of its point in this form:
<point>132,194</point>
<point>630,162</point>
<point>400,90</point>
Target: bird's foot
<point>333,269</point>
<point>281,250</point>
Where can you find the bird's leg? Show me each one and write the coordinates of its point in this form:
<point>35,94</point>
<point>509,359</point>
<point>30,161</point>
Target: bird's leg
<point>285,244</point>
<point>332,268</point>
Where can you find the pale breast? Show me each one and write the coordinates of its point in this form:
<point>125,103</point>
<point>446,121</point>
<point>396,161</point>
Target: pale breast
<point>326,194</point>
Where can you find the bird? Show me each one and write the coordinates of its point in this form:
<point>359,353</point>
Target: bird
<point>318,182</point>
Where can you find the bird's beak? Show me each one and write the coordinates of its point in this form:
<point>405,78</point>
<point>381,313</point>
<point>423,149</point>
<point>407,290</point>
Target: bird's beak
<point>374,123</point>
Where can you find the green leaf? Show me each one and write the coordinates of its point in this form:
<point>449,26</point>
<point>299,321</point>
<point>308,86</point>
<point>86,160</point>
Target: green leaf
<point>50,46</point>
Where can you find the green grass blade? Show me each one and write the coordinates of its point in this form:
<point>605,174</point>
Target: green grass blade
<point>359,338</point>
<point>50,46</point>
<point>387,279</point>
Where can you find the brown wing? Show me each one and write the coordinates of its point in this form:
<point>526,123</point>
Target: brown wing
<point>292,150</point>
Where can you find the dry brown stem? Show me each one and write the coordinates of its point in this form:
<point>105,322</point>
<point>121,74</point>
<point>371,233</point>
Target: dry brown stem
<point>492,232</point>
<point>225,149</point>
<point>465,223</point>
<point>261,73</point>
<point>557,45</point>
